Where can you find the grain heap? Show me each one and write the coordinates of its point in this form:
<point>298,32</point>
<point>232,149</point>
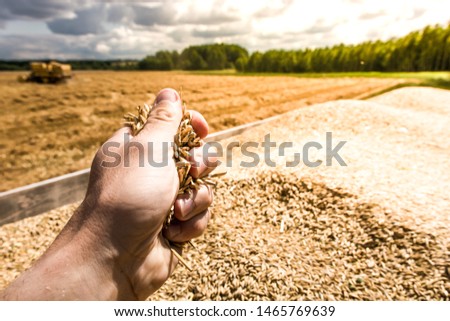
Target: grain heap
<point>300,240</point>
<point>293,240</point>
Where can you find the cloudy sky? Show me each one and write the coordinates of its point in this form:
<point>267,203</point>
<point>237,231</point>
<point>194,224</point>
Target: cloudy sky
<point>31,29</point>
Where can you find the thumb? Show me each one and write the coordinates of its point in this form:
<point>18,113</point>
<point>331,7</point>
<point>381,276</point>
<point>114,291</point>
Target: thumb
<point>165,117</point>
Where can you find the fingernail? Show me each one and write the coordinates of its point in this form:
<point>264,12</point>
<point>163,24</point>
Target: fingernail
<point>168,94</point>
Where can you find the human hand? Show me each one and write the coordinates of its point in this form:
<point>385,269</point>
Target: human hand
<point>134,201</point>
<point>114,246</point>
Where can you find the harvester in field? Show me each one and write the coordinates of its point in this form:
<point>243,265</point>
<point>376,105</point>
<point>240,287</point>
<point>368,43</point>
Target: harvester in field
<point>52,72</point>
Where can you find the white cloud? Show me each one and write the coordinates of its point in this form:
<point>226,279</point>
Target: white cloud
<point>89,28</point>
<point>102,48</point>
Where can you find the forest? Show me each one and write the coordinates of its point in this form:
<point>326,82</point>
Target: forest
<point>423,50</point>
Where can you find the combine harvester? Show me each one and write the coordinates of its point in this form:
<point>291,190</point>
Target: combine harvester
<point>52,72</point>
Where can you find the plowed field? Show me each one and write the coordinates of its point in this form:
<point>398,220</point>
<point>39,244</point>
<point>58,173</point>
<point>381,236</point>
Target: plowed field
<point>50,130</point>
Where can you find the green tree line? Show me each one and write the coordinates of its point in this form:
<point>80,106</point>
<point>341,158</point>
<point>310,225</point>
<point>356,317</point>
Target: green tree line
<point>424,50</point>
<point>202,57</point>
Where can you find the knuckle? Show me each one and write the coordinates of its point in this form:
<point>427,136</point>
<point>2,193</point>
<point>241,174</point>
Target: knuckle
<point>165,111</point>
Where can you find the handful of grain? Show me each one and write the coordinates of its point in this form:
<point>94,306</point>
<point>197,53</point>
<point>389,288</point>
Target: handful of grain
<point>185,139</point>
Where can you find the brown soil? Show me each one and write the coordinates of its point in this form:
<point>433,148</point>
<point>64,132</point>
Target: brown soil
<point>50,130</point>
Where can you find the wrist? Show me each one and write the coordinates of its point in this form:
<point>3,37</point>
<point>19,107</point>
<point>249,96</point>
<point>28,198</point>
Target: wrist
<point>141,259</point>
<point>88,244</point>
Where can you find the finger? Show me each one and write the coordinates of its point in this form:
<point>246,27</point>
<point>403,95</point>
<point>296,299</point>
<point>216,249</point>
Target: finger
<point>188,205</point>
<point>199,124</point>
<point>184,231</point>
<point>203,160</point>
<point>165,117</point>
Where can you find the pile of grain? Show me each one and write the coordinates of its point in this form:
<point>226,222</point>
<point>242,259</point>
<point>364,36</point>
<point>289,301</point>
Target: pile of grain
<point>24,241</point>
<point>377,229</point>
<point>277,238</point>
